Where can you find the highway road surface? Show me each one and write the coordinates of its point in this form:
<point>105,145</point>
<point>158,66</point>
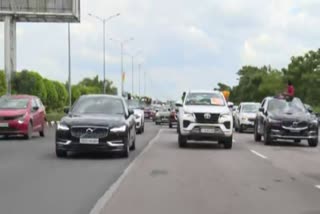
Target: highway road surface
<point>34,181</point>
<point>249,179</point>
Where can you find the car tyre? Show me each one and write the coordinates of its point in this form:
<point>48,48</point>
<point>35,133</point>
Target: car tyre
<point>28,136</point>
<point>61,153</point>
<point>266,137</point>
<point>42,132</point>
<point>227,143</point>
<point>126,149</point>
<point>240,128</point>
<point>313,142</point>
<point>133,146</point>
<point>257,136</point>
<point>170,125</point>
<point>182,141</point>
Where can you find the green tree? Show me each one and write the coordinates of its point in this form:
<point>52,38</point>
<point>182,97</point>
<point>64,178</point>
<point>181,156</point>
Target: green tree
<point>62,95</point>
<point>52,95</point>
<point>3,84</point>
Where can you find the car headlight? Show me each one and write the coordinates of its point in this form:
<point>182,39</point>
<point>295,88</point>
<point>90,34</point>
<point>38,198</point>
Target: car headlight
<point>62,127</point>
<point>119,129</point>
<point>188,114</point>
<point>137,116</point>
<point>22,118</point>
<point>225,117</point>
<point>274,121</point>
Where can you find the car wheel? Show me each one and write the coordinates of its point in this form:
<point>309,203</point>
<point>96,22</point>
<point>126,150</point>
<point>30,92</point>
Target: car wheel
<point>133,146</point>
<point>313,142</point>
<point>30,131</point>
<point>170,125</point>
<point>266,138</point>
<point>42,132</point>
<point>240,128</point>
<point>61,153</point>
<point>257,136</point>
<point>228,143</point>
<point>143,128</point>
<point>126,149</point>
<point>182,141</point>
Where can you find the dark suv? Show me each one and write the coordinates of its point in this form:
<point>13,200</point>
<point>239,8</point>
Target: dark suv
<point>285,119</point>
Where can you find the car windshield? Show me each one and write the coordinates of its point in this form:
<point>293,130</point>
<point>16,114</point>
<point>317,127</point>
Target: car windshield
<point>250,108</point>
<point>285,106</point>
<point>98,105</point>
<point>13,103</point>
<point>214,99</point>
<point>134,104</point>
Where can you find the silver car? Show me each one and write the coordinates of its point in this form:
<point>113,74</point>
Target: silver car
<point>245,116</point>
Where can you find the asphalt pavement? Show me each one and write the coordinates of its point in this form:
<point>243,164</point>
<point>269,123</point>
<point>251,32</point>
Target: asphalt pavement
<point>251,178</point>
<point>34,181</point>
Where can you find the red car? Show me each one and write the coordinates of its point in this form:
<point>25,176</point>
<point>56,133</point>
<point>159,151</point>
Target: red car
<point>22,115</point>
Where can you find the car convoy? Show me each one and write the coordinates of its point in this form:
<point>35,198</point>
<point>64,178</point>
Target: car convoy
<point>107,123</point>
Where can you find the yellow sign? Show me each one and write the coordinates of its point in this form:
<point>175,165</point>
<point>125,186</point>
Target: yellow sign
<point>123,76</point>
<point>226,94</point>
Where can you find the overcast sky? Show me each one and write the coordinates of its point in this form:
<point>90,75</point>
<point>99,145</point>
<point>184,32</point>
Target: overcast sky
<point>186,44</point>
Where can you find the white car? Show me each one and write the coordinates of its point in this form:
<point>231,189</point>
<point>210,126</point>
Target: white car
<point>136,107</point>
<point>205,116</point>
<point>245,116</point>
<point>139,117</point>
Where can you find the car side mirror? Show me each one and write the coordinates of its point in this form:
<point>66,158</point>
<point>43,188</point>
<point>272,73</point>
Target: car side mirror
<point>261,110</point>
<point>131,112</point>
<point>230,104</point>
<point>178,104</point>
<point>35,108</point>
<point>177,110</point>
<point>66,110</point>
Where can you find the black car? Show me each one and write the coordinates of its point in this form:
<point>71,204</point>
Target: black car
<point>285,119</point>
<point>97,123</point>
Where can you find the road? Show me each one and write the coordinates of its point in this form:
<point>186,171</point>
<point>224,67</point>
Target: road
<point>251,178</point>
<point>34,181</point>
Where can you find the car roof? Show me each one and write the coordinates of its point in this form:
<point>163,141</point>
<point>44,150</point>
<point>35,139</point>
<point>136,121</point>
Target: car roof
<point>204,91</point>
<point>20,96</point>
<point>249,103</point>
<point>102,96</point>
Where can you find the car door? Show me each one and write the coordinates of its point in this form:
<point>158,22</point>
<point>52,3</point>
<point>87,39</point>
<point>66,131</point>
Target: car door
<point>237,120</point>
<point>36,117</point>
<point>131,123</point>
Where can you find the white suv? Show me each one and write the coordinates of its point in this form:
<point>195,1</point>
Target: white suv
<point>205,116</point>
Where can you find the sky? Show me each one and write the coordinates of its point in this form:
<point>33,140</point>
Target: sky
<point>183,44</point>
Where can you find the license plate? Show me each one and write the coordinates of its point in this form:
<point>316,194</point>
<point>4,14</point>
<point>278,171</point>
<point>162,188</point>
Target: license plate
<point>91,141</point>
<point>208,131</point>
<point>4,125</point>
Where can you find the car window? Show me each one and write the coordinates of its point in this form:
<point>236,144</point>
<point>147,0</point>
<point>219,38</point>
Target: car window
<point>99,105</point>
<point>34,103</point>
<point>39,103</point>
<point>250,108</point>
<point>285,106</point>
<point>213,99</point>
<point>13,103</point>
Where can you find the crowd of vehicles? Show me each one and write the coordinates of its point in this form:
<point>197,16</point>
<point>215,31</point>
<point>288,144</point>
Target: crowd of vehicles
<point>110,123</point>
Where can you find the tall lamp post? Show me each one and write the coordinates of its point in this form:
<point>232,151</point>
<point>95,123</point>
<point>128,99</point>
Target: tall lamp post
<point>132,61</point>
<point>122,43</point>
<point>104,21</point>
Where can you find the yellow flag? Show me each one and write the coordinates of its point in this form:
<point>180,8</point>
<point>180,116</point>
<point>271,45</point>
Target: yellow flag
<point>123,76</point>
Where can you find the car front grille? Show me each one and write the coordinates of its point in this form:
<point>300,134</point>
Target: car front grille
<point>10,118</point>
<point>200,117</point>
<point>294,124</point>
<point>252,119</point>
<point>89,132</point>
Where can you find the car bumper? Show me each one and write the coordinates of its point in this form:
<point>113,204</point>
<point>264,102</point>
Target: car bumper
<point>287,135</point>
<point>247,124</point>
<point>108,146</point>
<point>194,130</point>
<point>13,128</point>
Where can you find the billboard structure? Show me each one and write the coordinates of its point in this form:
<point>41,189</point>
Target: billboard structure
<point>13,11</point>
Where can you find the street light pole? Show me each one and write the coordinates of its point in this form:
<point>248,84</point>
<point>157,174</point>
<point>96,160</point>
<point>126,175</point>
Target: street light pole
<point>104,56</point>
<point>139,80</point>
<point>132,91</point>
<point>104,21</point>
<point>69,65</point>
<point>122,72</point>
<point>144,88</point>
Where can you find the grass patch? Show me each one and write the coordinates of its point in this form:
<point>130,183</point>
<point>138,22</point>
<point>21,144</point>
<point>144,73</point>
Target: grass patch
<point>55,116</point>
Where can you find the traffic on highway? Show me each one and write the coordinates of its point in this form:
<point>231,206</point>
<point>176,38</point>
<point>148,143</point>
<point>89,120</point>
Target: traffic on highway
<point>156,107</point>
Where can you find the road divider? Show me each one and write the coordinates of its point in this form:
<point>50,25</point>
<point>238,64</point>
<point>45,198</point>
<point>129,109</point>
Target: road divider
<point>258,154</point>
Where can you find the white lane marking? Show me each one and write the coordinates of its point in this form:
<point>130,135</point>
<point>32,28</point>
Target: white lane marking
<point>317,186</point>
<point>103,201</point>
<point>258,154</point>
